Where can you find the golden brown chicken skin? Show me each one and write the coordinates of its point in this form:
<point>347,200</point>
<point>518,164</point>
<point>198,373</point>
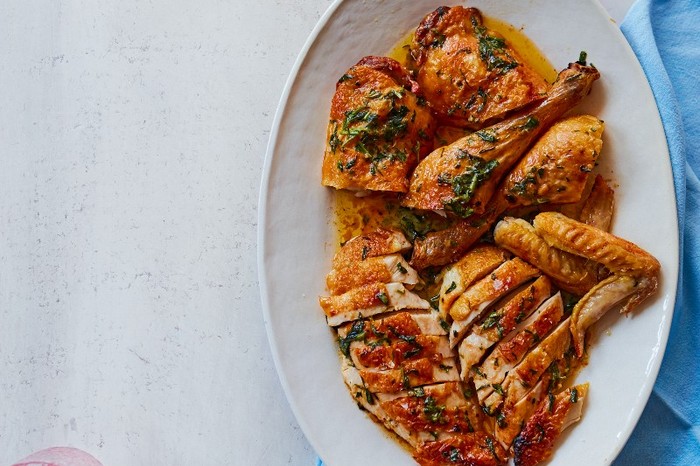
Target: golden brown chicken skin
<point>470,449</point>
<point>379,128</point>
<point>554,414</point>
<point>469,74</point>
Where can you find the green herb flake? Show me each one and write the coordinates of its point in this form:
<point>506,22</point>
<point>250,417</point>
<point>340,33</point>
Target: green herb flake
<point>356,333</point>
<point>574,395</point>
<point>381,296</point>
<point>487,135</point>
<point>453,455</point>
<point>433,411</point>
<point>492,448</point>
<point>451,288</point>
<point>530,123</point>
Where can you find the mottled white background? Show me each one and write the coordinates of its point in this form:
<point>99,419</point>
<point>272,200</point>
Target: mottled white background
<point>132,137</point>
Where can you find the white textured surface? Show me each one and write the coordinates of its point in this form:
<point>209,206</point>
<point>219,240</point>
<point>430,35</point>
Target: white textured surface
<point>132,136</point>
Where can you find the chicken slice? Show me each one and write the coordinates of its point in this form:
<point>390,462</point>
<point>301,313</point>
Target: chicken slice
<point>473,302</point>
<point>468,449</point>
<point>410,374</point>
<point>475,265</point>
<point>469,74</point>
<point>598,209</point>
<point>501,322</point>
<point>380,242</point>
<point>405,323</point>
<point>461,178</point>
<point>535,442</point>
<point>511,351</point>
<point>369,300</point>
<point>622,258</point>
<point>383,269</point>
<point>526,374</point>
<point>571,273</point>
<point>513,415</point>
<point>431,412</point>
<point>379,128</point>
<point>391,350</point>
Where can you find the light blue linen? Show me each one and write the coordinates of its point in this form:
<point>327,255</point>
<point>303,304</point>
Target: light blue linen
<point>665,35</point>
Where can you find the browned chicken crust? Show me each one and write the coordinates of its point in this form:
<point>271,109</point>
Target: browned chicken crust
<point>535,442</point>
<point>471,449</point>
<point>469,74</point>
<point>379,128</point>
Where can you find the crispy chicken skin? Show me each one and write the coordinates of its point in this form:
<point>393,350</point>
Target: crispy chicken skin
<point>470,449</point>
<point>378,130</point>
<point>469,74</point>
<point>570,272</point>
<point>535,442</point>
<point>384,269</point>
<point>461,178</point>
<point>559,164</point>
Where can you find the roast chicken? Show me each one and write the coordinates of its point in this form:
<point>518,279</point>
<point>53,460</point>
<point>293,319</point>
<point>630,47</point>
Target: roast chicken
<point>471,364</point>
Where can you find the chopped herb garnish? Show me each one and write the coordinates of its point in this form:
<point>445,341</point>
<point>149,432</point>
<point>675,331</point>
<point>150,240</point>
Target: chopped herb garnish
<point>345,77</point>
<point>550,398</point>
<point>356,333</point>
<point>417,392</point>
<point>574,395</point>
<point>465,184</point>
<point>582,58</point>
<point>382,297</point>
<point>530,123</point>
<point>492,448</point>
<point>401,268</point>
<point>498,388</point>
<point>492,50</point>
<point>453,455</point>
<point>365,251</point>
<point>491,320</point>
<point>487,135</point>
<point>433,411</point>
<point>451,288</point>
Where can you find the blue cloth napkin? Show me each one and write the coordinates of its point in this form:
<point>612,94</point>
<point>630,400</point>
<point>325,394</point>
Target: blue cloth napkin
<point>665,35</point>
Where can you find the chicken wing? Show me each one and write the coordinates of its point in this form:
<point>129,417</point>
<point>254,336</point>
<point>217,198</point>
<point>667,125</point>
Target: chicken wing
<point>635,272</point>
<point>571,273</point>
<point>460,178</point>
<point>379,128</point>
<point>469,74</point>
